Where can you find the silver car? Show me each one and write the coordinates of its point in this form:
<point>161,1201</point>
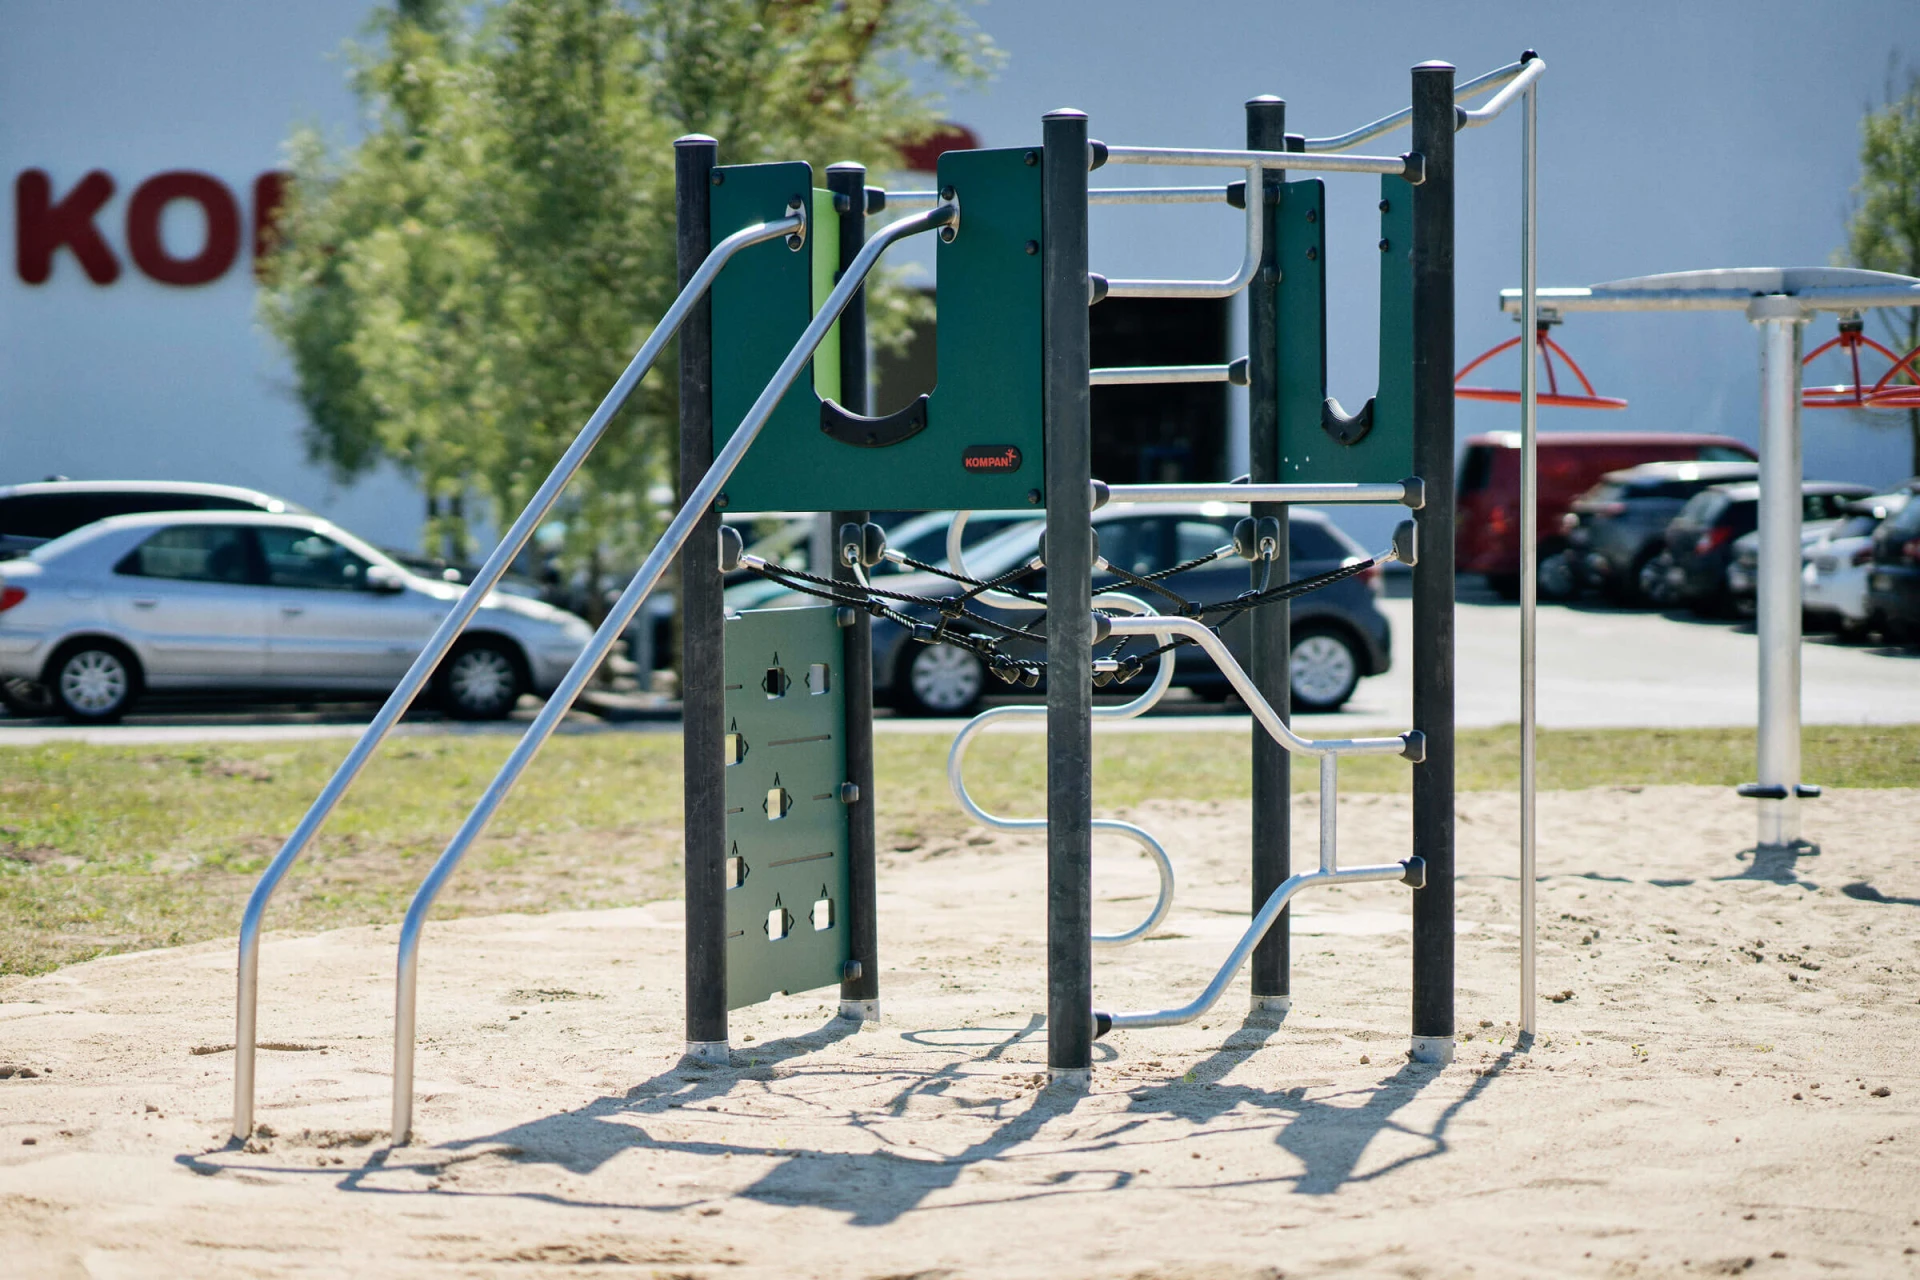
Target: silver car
<point>182,601</point>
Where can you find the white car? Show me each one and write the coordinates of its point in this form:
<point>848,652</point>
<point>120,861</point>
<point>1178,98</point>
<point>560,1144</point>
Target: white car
<point>251,601</point>
<point>1834,581</point>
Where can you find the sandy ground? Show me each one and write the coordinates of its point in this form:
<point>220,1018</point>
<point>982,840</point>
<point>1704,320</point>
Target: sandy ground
<point>1728,1085</point>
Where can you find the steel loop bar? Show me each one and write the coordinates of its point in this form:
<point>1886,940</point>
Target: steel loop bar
<point>1397,492</point>
<point>696,504</point>
<point>956,563</point>
<point>442,640</point>
<point>1535,68</point>
<point>1388,123</point>
<point>1249,262</point>
<point>1216,648</point>
<point>1529,533</point>
<point>956,769</point>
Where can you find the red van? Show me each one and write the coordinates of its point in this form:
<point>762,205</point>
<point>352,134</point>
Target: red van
<point>1487,499</point>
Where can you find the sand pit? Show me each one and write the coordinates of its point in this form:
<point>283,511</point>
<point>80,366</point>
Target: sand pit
<point>1728,1085</point>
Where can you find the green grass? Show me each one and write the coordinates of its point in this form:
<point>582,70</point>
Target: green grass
<point>106,849</point>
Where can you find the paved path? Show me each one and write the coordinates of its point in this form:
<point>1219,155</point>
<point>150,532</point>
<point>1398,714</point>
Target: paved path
<point>1598,669</point>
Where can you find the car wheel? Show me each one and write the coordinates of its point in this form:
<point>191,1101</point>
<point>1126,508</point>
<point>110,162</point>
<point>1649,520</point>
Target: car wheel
<point>1504,585</point>
<point>1323,670</point>
<point>93,681</point>
<point>1655,589</point>
<point>482,681</point>
<point>938,680</point>
<point>26,698</point>
<point>1556,578</point>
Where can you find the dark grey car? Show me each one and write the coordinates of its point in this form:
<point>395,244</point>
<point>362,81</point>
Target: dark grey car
<point>1618,527</point>
<point>1339,633</point>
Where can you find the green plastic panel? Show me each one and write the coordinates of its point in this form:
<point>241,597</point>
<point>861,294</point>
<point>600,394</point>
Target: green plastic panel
<point>786,712</point>
<point>1308,452</point>
<point>824,247</point>
<point>987,406</point>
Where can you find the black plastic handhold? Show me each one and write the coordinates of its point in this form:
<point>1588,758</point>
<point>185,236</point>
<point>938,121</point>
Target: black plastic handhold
<point>862,432</point>
<point>1346,428</point>
<point>1102,1023</point>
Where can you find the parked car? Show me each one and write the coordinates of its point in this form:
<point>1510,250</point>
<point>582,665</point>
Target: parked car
<point>1487,497</point>
<point>1700,539</point>
<point>246,601</point>
<point>31,514</point>
<point>1618,527</point>
<point>1833,585</point>
<point>1893,586</point>
<point>1339,633</point>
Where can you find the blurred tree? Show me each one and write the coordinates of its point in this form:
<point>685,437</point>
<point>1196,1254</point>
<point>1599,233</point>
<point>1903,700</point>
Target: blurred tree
<point>1883,233</point>
<point>460,288</point>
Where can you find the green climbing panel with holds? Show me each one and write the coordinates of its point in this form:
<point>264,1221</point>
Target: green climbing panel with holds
<point>1322,442</point>
<point>976,441</point>
<point>786,764</point>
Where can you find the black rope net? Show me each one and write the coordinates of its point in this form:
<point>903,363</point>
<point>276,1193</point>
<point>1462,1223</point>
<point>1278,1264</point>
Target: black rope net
<point>1010,652</point>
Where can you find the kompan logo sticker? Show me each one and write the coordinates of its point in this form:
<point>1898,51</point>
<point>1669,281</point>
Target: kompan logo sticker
<point>991,457</point>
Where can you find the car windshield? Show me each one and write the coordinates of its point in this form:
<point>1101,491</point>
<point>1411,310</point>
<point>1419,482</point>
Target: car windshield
<point>1703,508</point>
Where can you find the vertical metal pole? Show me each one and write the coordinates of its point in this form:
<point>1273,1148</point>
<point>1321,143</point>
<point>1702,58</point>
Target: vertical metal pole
<point>702,633</point>
<point>1065,359</point>
<point>1529,529</point>
<point>1777,619</point>
<point>860,982</point>
<point>1272,781</point>
<point>1433,630</point>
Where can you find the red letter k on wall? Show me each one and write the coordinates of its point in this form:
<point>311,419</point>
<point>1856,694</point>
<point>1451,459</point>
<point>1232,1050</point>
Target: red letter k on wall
<point>42,226</point>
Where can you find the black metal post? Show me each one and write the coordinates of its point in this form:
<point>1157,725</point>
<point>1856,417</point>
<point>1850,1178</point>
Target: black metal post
<point>702,626</point>
<point>1065,360</point>
<point>1270,647</point>
<point>1433,630</point>
<point>860,983</point>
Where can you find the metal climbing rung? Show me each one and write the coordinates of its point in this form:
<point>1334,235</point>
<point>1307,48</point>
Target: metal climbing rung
<point>697,504</point>
<point>516,538</point>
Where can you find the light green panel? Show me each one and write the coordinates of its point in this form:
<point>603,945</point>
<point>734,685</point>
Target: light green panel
<point>987,346</point>
<point>1308,452</point>
<point>824,245</point>
<point>794,744</point>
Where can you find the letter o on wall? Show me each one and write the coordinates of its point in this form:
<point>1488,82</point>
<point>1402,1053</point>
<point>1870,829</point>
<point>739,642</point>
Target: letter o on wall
<point>149,251</point>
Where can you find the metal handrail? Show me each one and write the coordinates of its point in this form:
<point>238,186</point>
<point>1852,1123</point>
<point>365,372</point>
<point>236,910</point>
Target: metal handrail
<point>451,626</point>
<point>697,504</point>
<point>1398,491</point>
<point>1209,158</point>
<point>1249,262</point>
<point>1388,123</point>
<point>956,765</point>
<point>1535,68</point>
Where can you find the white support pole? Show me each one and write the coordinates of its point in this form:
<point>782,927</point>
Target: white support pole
<point>1780,320</point>
<point>1529,532</point>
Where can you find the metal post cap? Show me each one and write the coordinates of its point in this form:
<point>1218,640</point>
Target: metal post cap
<point>696,140</point>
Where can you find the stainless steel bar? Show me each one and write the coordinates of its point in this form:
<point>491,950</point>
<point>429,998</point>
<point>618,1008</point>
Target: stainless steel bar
<point>1777,608</point>
<point>1388,123</point>
<point>1395,492</point>
<point>1251,938</point>
<point>1529,539</point>
<point>956,561</point>
<point>906,201</point>
<point>1249,262</point>
<point>1497,105</point>
<point>1216,648</point>
<point>1207,158</point>
<point>1157,195</point>
<point>1159,375</point>
<point>956,779</point>
<point>697,503</point>
<point>1329,813</point>
<point>442,640</point>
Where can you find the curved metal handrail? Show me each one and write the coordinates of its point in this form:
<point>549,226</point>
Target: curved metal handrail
<point>956,766</point>
<point>424,665</point>
<point>678,530</point>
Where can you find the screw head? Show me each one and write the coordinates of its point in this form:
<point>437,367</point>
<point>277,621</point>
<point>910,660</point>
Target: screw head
<point>1313,254</point>
<point>1032,158</point>
<point>946,193</point>
<point>1033,247</point>
<point>1313,215</point>
<point>1033,497</point>
<point>718,177</point>
<point>1385,205</point>
<point>947,235</point>
<point>795,240</point>
<point>720,502</point>
<point>1383,246</point>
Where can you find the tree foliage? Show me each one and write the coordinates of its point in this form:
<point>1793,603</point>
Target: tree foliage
<point>1883,234</point>
<point>459,288</point>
